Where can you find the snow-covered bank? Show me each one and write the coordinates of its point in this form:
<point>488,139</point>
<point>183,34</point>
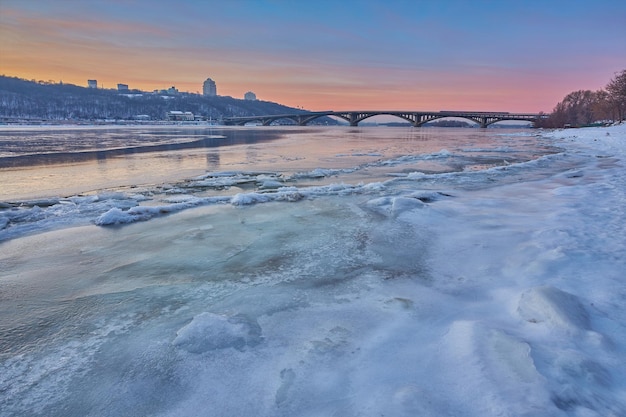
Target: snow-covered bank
<point>428,295</point>
<point>600,138</point>
<point>540,269</point>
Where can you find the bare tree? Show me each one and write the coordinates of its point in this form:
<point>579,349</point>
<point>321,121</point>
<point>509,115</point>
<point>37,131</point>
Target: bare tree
<point>576,109</point>
<point>602,107</point>
<point>617,92</point>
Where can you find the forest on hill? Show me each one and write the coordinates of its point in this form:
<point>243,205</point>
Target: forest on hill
<point>23,100</point>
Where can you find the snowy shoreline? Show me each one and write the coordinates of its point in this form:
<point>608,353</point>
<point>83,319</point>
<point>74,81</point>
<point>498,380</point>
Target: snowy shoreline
<point>499,300</point>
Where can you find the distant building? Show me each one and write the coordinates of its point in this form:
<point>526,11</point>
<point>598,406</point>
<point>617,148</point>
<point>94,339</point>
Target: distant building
<point>92,83</point>
<point>249,96</point>
<point>209,88</point>
<point>179,116</point>
<point>122,87</point>
<point>169,92</point>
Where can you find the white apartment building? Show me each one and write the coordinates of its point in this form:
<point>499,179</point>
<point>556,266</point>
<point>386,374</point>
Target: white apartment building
<point>209,88</point>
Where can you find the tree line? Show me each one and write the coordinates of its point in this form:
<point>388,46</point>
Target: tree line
<point>586,107</point>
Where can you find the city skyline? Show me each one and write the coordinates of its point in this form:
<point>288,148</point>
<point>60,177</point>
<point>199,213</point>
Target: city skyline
<point>395,55</point>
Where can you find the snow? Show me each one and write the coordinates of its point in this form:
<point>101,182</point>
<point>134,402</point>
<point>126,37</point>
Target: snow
<point>554,308</point>
<point>497,292</point>
<point>212,331</point>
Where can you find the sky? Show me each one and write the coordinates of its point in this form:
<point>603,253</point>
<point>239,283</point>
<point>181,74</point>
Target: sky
<point>517,56</point>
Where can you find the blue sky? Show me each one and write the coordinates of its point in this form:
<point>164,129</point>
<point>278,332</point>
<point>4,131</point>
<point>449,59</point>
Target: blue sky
<point>414,55</point>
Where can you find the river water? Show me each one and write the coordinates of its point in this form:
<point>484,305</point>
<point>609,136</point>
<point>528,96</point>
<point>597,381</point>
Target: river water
<point>68,176</point>
<point>282,271</point>
<point>62,162</point>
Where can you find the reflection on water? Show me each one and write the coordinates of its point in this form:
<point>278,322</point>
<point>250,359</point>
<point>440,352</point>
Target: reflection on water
<point>18,149</point>
<point>212,160</point>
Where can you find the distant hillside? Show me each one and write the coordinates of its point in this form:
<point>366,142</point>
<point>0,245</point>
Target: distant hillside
<point>29,100</point>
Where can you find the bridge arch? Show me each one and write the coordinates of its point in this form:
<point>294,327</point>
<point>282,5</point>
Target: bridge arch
<point>426,118</point>
<point>508,119</point>
<point>251,120</point>
<point>305,119</point>
<point>409,117</point>
<point>417,119</point>
<point>483,122</point>
<point>269,120</point>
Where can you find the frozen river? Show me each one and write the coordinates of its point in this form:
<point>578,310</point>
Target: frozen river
<point>312,272</point>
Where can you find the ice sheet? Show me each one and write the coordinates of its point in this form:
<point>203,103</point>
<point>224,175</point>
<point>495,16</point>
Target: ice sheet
<point>483,293</point>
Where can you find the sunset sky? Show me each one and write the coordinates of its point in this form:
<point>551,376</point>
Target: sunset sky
<point>518,56</point>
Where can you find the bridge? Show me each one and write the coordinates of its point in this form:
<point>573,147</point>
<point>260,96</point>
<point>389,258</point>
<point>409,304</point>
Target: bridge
<point>416,118</point>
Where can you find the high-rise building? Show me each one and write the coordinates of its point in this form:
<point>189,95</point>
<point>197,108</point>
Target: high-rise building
<point>209,88</point>
<point>249,96</point>
<point>92,83</point>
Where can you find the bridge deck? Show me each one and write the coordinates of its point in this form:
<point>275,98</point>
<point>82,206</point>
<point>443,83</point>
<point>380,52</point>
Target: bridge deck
<point>416,118</point>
